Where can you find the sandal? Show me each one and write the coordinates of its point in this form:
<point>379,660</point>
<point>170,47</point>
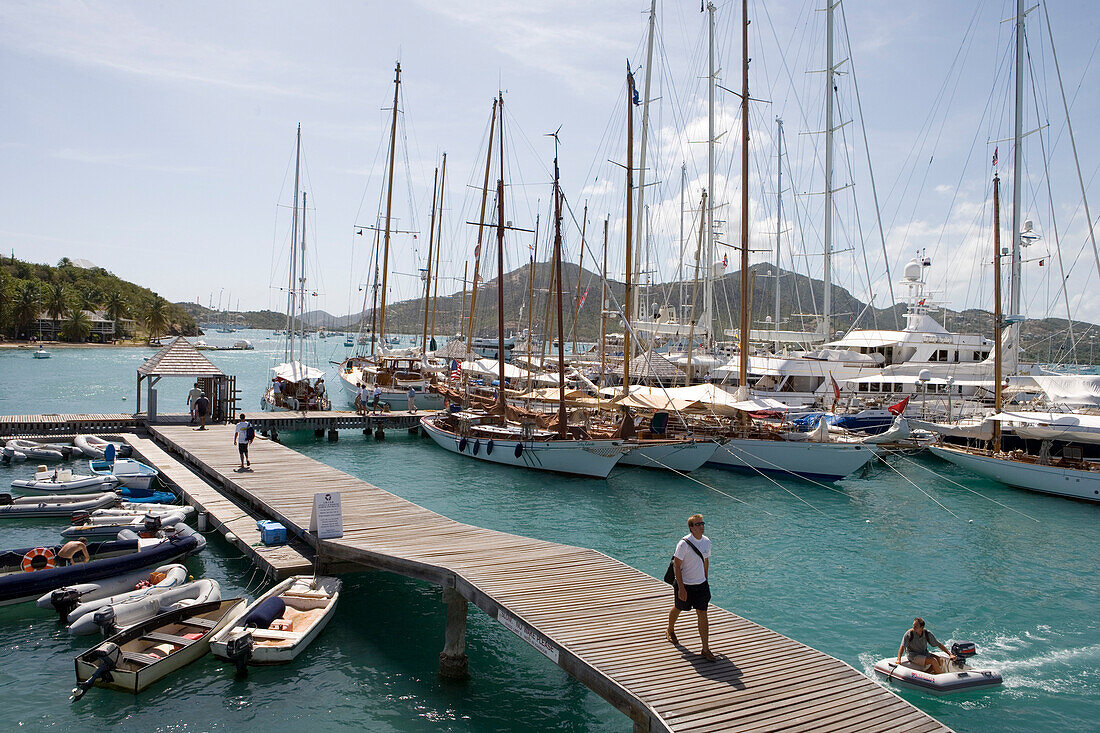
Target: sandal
<point>671,636</point>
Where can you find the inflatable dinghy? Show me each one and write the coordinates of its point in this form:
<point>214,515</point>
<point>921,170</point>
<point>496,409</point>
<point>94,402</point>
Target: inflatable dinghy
<point>55,506</point>
<point>161,579</point>
<point>114,617</point>
<point>66,598</point>
<point>959,675</point>
<point>108,527</point>
<point>64,481</point>
<point>36,451</point>
<point>95,447</point>
<point>27,573</point>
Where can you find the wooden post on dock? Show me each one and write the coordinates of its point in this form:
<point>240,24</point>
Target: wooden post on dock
<point>453,662</point>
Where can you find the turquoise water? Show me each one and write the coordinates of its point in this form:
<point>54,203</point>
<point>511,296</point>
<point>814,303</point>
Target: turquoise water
<point>842,569</point>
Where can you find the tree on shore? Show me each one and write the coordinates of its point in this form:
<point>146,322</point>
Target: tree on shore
<point>156,317</point>
<point>25,310</point>
<point>90,299</point>
<point>78,327</point>
<point>57,303</point>
<point>117,308</point>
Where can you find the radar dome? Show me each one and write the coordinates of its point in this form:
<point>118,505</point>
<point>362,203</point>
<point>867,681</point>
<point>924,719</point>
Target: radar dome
<point>912,270</point>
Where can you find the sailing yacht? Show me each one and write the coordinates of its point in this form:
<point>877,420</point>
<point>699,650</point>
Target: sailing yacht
<point>295,385</point>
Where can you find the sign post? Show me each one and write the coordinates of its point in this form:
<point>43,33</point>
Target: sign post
<point>326,520</point>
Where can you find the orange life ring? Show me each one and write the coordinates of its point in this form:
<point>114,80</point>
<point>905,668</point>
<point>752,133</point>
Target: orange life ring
<point>30,557</point>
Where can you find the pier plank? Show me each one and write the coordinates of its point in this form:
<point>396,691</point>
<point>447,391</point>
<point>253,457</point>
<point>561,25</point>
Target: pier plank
<point>602,619</point>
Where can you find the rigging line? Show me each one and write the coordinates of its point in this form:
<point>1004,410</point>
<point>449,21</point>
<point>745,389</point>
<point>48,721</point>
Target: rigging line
<point>779,485</point>
<point>859,222</point>
<point>776,466</point>
<point>712,488</point>
<point>870,167</point>
<point>910,481</point>
<point>951,481</point>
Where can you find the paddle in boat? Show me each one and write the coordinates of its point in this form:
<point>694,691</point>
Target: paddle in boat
<point>280,624</point>
<point>135,658</point>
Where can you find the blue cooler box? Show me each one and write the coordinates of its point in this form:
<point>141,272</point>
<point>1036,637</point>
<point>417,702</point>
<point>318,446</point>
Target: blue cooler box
<point>271,533</point>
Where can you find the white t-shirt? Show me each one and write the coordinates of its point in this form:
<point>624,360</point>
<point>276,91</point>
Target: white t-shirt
<point>691,568</point>
<point>242,432</point>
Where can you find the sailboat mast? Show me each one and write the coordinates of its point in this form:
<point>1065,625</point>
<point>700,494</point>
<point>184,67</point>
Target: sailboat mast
<point>289,351</point>
<point>502,402</point>
<point>1017,169</point>
<point>627,355</point>
<point>531,299</point>
<point>827,276</point>
<point>562,417</point>
<point>778,218</point>
<point>302,279</point>
<point>389,206</point>
<point>438,241</point>
<point>481,227</point>
<point>428,274</point>
<point>708,287</point>
<point>580,269</point>
<point>745,304</point>
<point>374,294</point>
<point>645,134</point>
<point>695,283</point>
<point>603,307</point>
<point>997,317</point>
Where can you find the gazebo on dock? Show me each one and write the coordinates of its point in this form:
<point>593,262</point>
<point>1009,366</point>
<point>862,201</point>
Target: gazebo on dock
<point>181,359</point>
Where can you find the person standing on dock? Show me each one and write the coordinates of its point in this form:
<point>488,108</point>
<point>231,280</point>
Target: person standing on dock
<point>361,398</point>
<point>691,563</point>
<point>412,400</point>
<point>376,399</point>
<point>192,398</point>
<point>243,436</point>
<point>202,409</point>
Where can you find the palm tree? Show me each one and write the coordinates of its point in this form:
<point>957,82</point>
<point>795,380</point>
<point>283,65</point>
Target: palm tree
<point>57,303</point>
<point>117,308</point>
<point>156,317</point>
<point>90,299</point>
<point>77,326</point>
<point>28,300</point>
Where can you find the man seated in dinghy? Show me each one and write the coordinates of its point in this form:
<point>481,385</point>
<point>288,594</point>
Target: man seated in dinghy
<point>914,644</point>
<point>75,552</point>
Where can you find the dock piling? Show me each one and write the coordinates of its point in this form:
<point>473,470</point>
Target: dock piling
<point>333,435</point>
<point>453,662</point>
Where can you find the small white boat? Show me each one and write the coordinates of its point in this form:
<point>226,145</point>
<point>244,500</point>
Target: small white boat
<point>281,623</point>
<point>41,353</point>
<point>68,597</point>
<point>164,577</point>
<point>55,506</point>
<point>139,656</point>
<point>106,527</point>
<point>36,451</point>
<point>93,446</point>
<point>959,675</point>
<point>129,472</point>
<point>113,617</point>
<point>64,481</point>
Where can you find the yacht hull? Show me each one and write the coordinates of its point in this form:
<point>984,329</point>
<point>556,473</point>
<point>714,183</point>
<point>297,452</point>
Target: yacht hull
<point>806,459</point>
<point>1053,480</point>
<point>677,456</point>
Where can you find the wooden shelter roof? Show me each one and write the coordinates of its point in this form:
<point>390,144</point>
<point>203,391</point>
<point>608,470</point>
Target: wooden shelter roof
<point>179,359</point>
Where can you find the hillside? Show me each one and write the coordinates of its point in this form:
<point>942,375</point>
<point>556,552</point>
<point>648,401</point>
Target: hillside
<point>28,289</point>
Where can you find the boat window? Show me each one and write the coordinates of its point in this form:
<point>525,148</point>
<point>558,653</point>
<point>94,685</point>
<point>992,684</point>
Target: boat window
<point>862,386</point>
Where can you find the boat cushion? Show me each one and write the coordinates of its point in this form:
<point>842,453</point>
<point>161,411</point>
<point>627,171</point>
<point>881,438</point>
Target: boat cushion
<point>262,615</point>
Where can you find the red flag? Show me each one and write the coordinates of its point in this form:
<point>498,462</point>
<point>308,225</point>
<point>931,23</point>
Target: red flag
<point>584,297</point>
<point>836,387</point>
<point>898,408</point>
<point>994,157</point>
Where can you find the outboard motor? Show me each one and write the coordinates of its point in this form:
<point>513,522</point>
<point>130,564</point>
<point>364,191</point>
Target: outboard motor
<point>239,651</point>
<point>80,518</point>
<point>963,650</point>
<point>106,656</point>
<point>105,619</point>
<point>151,523</point>
<point>64,600</point>
<point>6,499</point>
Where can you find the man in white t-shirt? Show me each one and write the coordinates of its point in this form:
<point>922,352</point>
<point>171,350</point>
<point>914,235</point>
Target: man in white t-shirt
<point>691,564</point>
<point>240,437</point>
<point>193,397</point>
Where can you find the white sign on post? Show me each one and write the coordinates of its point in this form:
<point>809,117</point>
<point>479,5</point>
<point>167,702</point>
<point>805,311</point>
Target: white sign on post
<point>326,521</point>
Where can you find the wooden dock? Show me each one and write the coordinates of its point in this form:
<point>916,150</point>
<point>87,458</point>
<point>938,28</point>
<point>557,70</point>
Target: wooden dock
<point>236,523</point>
<point>595,617</point>
<point>58,424</point>
<point>331,421</point>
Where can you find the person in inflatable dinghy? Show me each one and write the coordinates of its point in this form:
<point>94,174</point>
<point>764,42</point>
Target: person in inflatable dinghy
<point>914,645</point>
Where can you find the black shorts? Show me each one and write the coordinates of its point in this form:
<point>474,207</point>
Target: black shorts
<point>242,448</point>
<point>698,596</point>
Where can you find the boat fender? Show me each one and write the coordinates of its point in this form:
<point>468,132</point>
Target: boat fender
<point>519,450</point>
<point>64,600</point>
<point>104,618</point>
<point>262,615</point>
<point>31,561</point>
<point>477,445</point>
<point>489,447</point>
<point>462,445</point>
<point>239,651</point>
<point>106,657</point>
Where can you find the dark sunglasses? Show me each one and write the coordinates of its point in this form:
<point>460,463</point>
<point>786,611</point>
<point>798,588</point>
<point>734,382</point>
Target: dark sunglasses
<point>696,524</point>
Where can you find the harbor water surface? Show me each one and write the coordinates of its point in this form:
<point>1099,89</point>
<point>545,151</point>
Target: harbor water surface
<point>843,568</point>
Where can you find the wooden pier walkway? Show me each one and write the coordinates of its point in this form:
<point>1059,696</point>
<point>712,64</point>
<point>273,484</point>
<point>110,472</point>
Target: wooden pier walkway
<point>332,420</point>
<point>597,618</point>
<point>56,424</point>
<point>236,523</point>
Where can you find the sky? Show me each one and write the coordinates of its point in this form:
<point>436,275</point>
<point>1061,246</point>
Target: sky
<point>158,139</point>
